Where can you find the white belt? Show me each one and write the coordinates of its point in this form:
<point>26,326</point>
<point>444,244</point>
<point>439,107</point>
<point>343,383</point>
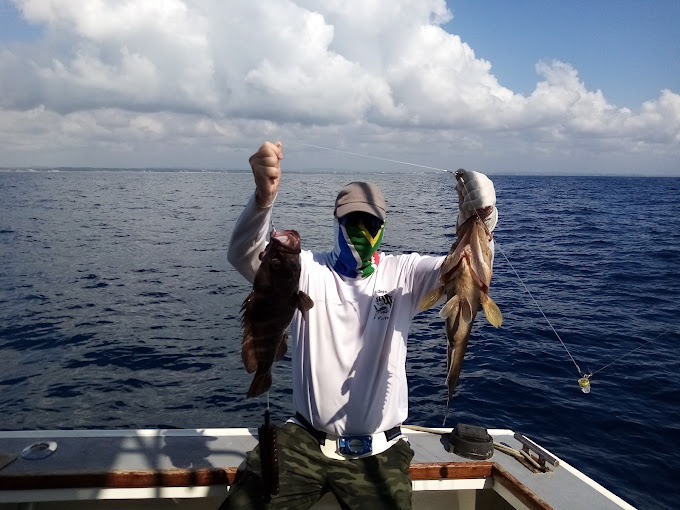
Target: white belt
<point>379,443</point>
<point>331,447</point>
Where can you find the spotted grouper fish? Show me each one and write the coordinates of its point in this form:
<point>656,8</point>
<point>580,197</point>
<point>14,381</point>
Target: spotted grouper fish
<point>465,279</point>
<point>270,306</point>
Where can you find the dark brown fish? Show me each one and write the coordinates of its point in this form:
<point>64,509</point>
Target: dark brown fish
<point>465,279</point>
<point>270,306</point>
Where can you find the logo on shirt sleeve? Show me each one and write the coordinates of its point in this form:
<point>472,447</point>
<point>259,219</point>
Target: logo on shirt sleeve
<point>382,305</point>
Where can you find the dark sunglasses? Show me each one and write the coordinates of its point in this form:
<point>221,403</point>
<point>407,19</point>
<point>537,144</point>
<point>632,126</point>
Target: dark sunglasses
<point>372,223</point>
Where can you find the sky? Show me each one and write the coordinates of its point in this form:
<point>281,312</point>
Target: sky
<point>522,87</point>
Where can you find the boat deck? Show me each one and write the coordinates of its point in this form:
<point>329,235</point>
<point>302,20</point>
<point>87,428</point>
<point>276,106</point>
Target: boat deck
<point>182,465</point>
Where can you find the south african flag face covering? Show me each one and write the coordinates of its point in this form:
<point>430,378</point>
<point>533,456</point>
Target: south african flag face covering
<point>356,248</point>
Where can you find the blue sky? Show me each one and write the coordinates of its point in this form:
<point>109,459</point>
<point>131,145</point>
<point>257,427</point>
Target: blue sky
<point>522,87</point>
<point>628,49</point>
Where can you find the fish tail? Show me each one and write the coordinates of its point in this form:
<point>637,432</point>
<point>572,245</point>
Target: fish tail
<point>261,383</point>
<point>448,406</point>
<point>492,312</point>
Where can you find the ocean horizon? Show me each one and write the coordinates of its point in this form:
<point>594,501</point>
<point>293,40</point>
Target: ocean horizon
<point>313,171</point>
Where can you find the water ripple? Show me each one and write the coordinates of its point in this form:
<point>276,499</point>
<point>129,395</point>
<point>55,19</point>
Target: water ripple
<point>119,309</point>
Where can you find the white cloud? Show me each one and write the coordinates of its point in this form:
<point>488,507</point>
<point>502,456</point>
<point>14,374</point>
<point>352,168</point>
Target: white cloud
<point>206,75</point>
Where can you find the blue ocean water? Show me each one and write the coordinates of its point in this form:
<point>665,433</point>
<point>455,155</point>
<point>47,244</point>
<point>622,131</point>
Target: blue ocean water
<point>118,309</point>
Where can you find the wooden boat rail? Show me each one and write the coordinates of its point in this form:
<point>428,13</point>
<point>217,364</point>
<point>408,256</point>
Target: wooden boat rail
<point>225,476</point>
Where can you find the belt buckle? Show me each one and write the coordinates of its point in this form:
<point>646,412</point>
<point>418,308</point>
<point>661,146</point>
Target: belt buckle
<point>355,445</point>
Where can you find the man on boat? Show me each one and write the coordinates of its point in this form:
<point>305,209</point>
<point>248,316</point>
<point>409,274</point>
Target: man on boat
<point>348,352</point>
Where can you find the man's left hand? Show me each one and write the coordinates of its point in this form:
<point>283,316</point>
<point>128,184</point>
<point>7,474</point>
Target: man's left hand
<point>476,196</point>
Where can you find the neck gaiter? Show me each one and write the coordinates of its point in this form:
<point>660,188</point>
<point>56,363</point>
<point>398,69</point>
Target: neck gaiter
<point>356,250</point>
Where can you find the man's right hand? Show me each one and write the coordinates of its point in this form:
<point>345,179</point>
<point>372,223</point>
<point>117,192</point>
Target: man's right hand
<point>266,165</point>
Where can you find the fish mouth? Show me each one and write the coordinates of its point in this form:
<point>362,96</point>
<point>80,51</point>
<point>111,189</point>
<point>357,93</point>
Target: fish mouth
<point>287,238</point>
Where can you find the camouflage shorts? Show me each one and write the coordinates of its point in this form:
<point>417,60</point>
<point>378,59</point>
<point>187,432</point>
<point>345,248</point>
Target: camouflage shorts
<point>381,481</point>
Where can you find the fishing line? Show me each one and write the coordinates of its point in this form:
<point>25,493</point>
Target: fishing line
<point>271,230</point>
<point>496,243</point>
<point>371,157</point>
<point>629,352</point>
<point>540,310</point>
<point>584,380</point>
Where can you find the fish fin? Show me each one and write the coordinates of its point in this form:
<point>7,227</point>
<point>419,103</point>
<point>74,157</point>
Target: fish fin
<point>247,303</point>
<point>283,347</point>
<point>457,250</point>
<point>492,312</point>
<point>466,311</point>
<point>431,298</point>
<point>304,302</point>
<point>449,262</point>
<point>477,262</point>
<point>261,383</point>
<point>451,307</point>
<point>248,353</point>
<point>452,259</point>
<point>481,269</point>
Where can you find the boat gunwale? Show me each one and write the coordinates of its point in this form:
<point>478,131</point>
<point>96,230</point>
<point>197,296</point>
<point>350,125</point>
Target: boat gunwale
<point>493,474</point>
<point>138,479</point>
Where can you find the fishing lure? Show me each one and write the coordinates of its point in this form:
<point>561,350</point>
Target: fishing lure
<point>269,456</point>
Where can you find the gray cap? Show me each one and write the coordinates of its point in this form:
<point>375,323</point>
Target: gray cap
<point>360,197</point>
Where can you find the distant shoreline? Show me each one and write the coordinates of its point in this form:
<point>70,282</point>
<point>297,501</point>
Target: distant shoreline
<point>315,171</point>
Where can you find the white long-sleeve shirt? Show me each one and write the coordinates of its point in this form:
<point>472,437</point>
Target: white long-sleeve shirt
<point>348,351</point>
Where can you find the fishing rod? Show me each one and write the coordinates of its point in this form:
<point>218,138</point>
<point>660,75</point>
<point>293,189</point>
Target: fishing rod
<point>584,380</point>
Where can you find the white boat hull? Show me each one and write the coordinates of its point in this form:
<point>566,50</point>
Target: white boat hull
<point>190,469</point>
